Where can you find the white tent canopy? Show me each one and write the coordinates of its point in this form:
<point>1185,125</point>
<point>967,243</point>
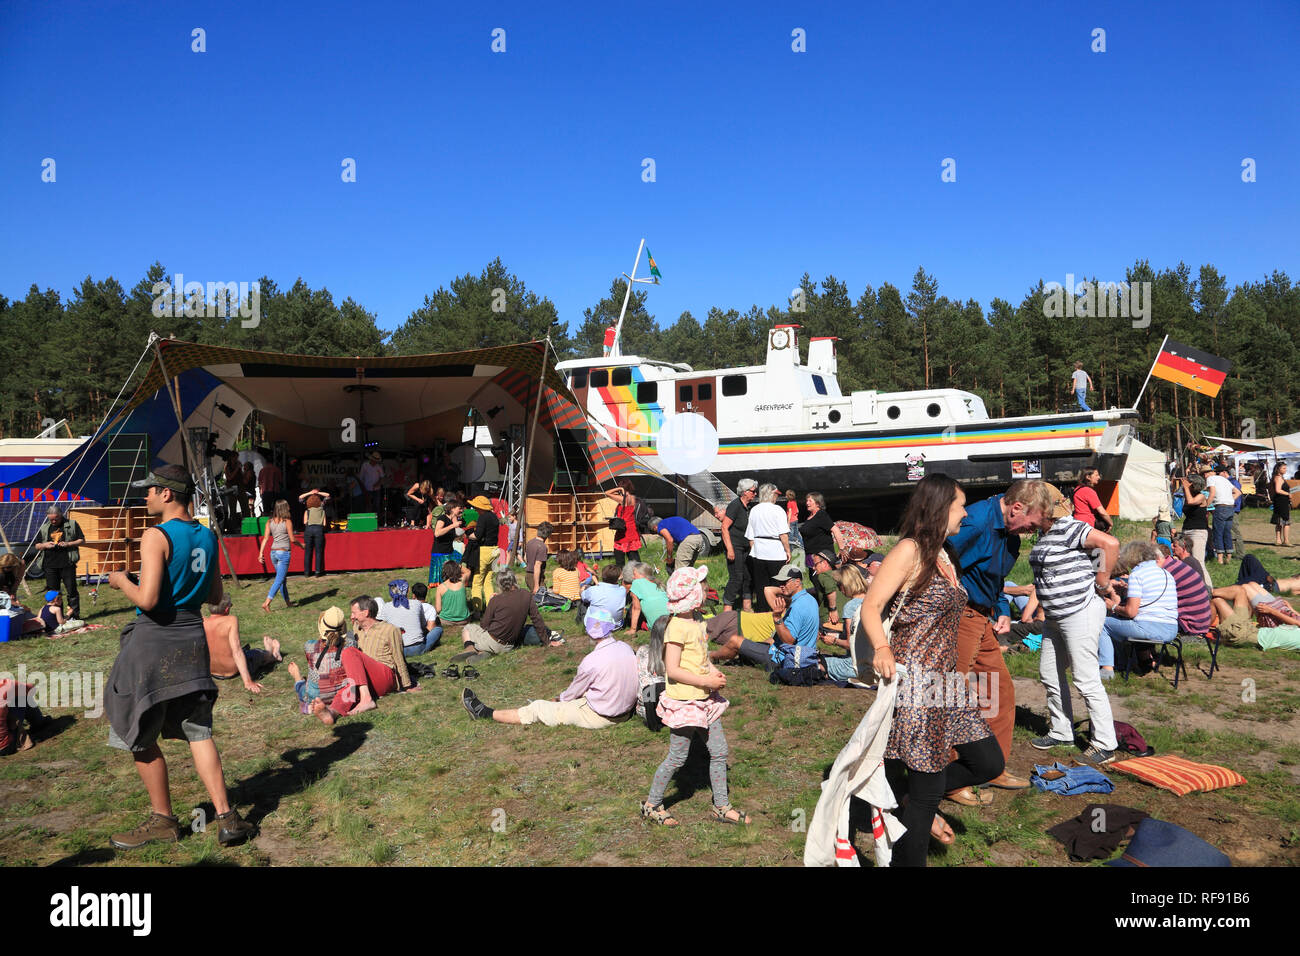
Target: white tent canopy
<point>1144,486</point>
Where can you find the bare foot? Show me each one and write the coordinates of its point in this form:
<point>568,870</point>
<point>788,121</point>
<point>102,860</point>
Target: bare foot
<point>364,706</point>
<point>320,710</point>
<point>266,606</point>
<point>294,672</point>
<point>272,645</point>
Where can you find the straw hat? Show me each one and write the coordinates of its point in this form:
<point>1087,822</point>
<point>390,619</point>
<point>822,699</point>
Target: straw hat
<point>480,503</point>
<point>1060,504</point>
<point>331,619</point>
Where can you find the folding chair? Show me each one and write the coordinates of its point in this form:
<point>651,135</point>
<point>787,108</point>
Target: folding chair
<point>1212,642</point>
<point>1159,647</point>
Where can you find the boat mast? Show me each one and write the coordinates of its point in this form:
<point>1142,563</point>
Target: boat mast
<point>615,348</point>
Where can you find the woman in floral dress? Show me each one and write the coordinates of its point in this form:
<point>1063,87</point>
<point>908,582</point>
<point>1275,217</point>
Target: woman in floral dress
<point>935,716</point>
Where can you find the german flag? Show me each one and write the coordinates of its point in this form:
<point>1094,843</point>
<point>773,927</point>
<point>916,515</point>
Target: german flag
<point>1192,368</point>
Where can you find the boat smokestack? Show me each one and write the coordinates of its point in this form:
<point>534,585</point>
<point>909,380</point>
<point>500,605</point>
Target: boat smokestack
<point>783,347</point>
<point>821,355</point>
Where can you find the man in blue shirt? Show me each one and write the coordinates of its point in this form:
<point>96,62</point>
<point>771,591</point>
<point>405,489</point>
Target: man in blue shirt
<point>795,641</point>
<point>685,537</point>
<point>609,594</point>
<point>161,682</point>
<point>987,546</point>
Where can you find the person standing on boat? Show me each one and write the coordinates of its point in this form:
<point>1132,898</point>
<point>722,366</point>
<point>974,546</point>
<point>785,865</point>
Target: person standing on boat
<point>627,541</point>
<point>735,521</point>
<point>987,546</point>
<point>1081,381</point>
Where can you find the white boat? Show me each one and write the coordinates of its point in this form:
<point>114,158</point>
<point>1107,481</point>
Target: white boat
<point>786,421</point>
<point>20,457</point>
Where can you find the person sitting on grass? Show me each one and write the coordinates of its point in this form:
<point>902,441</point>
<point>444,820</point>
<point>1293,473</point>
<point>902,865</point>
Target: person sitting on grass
<point>603,692</point>
<point>794,611</point>
<point>565,580</point>
<point>853,585</point>
<point>376,666</point>
<point>433,634</point>
<point>21,620</point>
<point>52,616</point>
<point>649,602</point>
<point>609,594</point>
<point>505,625</point>
<point>227,658</point>
<point>325,674</point>
<point>451,600</point>
<point>408,616</point>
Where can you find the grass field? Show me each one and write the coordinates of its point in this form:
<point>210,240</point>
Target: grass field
<point>416,782</point>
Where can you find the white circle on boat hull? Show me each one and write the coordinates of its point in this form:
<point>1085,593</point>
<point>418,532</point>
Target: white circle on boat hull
<point>687,444</point>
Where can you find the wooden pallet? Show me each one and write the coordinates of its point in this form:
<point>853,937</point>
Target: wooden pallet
<point>578,520</point>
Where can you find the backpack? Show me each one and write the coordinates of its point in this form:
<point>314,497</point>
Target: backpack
<point>1130,741</point>
<point>642,515</point>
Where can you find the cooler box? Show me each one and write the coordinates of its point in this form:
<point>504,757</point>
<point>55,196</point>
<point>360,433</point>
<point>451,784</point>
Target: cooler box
<point>363,522</point>
<point>4,626</point>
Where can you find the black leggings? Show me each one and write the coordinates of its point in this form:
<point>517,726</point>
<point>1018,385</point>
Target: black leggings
<point>976,763</point>
<point>621,557</point>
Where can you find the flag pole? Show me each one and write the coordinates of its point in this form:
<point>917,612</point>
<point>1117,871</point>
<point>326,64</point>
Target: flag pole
<point>616,348</point>
<point>1152,369</point>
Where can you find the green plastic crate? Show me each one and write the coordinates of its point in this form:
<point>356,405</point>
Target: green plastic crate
<point>363,522</point>
<point>253,525</point>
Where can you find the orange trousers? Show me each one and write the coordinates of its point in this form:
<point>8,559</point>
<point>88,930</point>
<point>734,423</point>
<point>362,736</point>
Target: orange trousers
<point>977,651</point>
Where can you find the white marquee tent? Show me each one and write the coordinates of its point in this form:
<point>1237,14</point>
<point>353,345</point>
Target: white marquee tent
<point>1144,486</point>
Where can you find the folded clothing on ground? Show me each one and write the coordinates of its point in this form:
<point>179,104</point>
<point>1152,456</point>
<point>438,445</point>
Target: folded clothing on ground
<point>1068,781</point>
<point>1179,775</point>
<point>1098,831</point>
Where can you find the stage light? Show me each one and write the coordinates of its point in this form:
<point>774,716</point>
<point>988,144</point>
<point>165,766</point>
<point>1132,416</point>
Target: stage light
<point>225,410</point>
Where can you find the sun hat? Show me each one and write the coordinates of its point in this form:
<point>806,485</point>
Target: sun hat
<point>599,623</point>
<point>788,572</point>
<point>480,503</point>
<point>1060,503</point>
<point>331,619</point>
<point>1163,513</point>
<point>685,589</point>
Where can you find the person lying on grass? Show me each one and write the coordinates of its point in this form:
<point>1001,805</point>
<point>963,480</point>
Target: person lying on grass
<point>603,692</point>
<point>1249,597</point>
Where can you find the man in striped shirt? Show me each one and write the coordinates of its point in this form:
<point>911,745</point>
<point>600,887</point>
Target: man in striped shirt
<point>1193,597</point>
<point>1067,580</point>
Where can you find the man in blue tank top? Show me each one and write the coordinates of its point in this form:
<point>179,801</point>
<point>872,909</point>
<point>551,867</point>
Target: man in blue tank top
<point>160,682</point>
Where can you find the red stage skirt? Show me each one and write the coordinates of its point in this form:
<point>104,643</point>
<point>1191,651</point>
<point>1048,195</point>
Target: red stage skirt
<point>344,551</point>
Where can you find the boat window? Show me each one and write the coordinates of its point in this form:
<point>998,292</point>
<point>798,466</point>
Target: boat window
<point>600,378</point>
<point>685,393</point>
<point>819,385</point>
<point>933,409</point>
<point>579,380</point>
<point>647,392</point>
<point>734,385</point>
<point>621,376</point>
<point>834,416</point>
<point>894,411</point>
<point>706,391</point>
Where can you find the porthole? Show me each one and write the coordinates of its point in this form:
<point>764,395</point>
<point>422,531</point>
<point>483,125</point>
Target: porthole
<point>933,409</point>
<point>894,411</point>
<point>834,415</point>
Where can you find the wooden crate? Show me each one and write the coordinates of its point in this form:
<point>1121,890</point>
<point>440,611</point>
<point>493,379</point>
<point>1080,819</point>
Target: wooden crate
<point>100,559</point>
<point>578,520</point>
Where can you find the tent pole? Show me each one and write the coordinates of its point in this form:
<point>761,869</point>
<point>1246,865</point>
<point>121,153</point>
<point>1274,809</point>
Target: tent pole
<point>532,432</point>
<point>213,523</point>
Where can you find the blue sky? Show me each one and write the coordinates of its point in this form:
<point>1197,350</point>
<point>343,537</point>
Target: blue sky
<point>226,165</point>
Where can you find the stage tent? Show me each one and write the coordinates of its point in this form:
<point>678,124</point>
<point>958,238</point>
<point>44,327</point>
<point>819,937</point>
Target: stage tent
<point>1144,485</point>
<point>307,401</point>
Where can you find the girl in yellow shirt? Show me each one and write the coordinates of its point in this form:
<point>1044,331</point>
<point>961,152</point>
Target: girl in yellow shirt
<point>690,704</point>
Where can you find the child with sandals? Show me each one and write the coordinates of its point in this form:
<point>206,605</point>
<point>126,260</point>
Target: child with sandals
<point>690,704</point>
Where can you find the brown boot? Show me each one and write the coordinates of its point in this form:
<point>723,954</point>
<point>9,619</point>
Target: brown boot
<point>157,829</point>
